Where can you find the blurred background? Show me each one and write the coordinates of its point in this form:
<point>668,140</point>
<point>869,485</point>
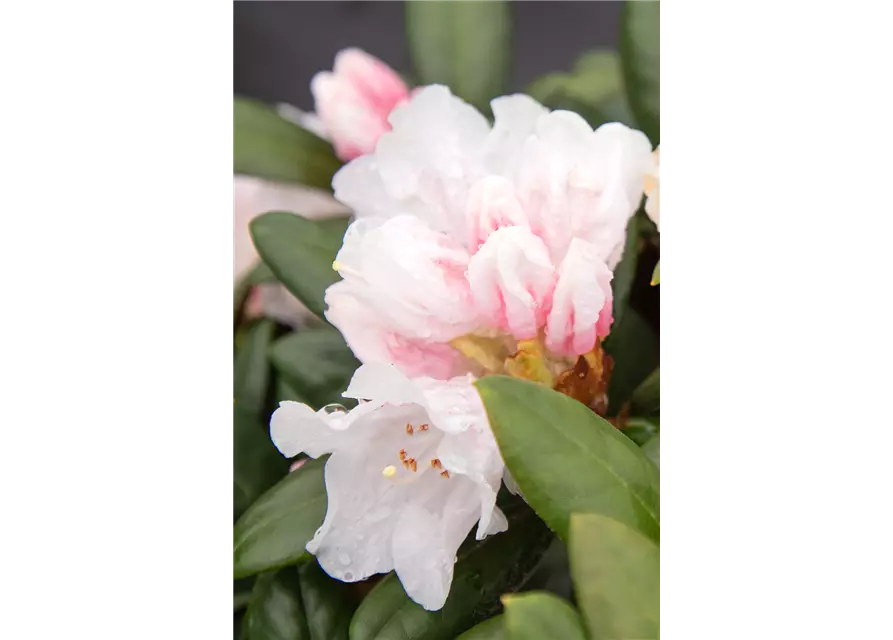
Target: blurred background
<point>278,46</point>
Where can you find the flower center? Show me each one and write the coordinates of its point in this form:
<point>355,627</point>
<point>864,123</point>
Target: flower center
<point>417,453</point>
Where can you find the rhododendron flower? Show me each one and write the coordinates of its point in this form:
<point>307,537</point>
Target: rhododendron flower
<point>411,472</point>
<point>473,243</point>
<point>353,102</point>
<point>652,189</point>
<point>252,197</point>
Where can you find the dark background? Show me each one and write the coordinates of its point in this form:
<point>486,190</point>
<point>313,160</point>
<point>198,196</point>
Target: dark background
<point>278,46</point>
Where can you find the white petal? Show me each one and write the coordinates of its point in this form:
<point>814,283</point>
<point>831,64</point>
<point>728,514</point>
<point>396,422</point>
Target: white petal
<point>426,543</point>
<point>491,205</point>
<point>510,483</point>
<point>515,117</point>
<point>295,428</point>
<point>454,405</point>
<point>383,383</point>
<point>511,278</point>
<point>411,275</point>
<point>498,524</point>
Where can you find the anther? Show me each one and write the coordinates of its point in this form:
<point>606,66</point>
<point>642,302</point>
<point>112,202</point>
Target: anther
<point>435,463</point>
<point>408,429</point>
<point>402,455</point>
<point>424,427</point>
<point>445,474</point>
<point>412,464</point>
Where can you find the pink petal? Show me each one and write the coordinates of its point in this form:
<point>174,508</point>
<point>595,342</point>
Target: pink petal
<point>582,302</point>
<point>491,205</point>
<point>511,280</point>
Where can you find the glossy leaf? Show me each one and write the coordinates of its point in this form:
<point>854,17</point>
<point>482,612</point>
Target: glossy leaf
<point>251,370</point>
<point>300,253</point>
<point>256,463</point>
<point>485,571</point>
<point>565,458</point>
<point>646,398</point>
<point>464,45</point>
<point>317,362</point>
<point>634,346</point>
<point>640,54</point>
<point>327,604</point>
<point>275,611</point>
<point>641,430</point>
<point>652,450</point>
<point>594,89</point>
<point>625,272</point>
<point>537,615</point>
<point>616,574</point>
<point>492,629</point>
<point>277,527</point>
<point>265,145</point>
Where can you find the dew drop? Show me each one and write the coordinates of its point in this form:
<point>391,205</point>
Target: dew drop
<point>330,409</point>
<point>348,576</point>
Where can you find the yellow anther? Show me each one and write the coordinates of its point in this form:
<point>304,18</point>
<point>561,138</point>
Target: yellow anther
<point>389,471</point>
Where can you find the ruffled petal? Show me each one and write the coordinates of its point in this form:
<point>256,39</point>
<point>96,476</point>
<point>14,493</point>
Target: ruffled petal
<point>491,205</point>
<point>511,279</point>
<point>515,118</point>
<point>582,303</point>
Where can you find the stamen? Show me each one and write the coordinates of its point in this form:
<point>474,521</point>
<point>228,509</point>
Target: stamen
<point>435,463</point>
<point>389,471</point>
<point>424,427</point>
<point>445,474</point>
<point>402,455</point>
<point>408,429</point>
<point>412,464</point>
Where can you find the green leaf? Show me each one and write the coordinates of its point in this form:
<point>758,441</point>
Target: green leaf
<point>646,398</point>
<point>625,273</point>
<point>317,362</point>
<point>640,54</point>
<point>594,89</point>
<point>565,458</point>
<point>256,463</point>
<point>655,277</point>
<point>641,430</point>
<point>634,346</point>
<point>616,574</point>
<point>652,450</point>
<point>537,615</point>
<point>251,370</point>
<point>484,571</point>
<point>327,604</point>
<point>277,527</point>
<point>492,629</point>
<point>275,611</point>
<point>464,45</point>
<point>267,146</point>
<point>300,253</point>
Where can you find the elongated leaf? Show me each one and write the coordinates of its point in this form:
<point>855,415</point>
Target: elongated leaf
<point>640,53</point>
<point>565,458</point>
<point>536,615</point>
<point>277,527</point>
<point>275,611</point>
<point>256,463</point>
<point>492,629</point>
<point>317,361</point>
<point>652,450</point>
<point>464,45</point>
<point>251,370</point>
<point>266,145</point>
<point>616,574</point>
<point>484,571</point>
<point>625,273</point>
<point>300,253</point>
<point>594,89</point>
<point>327,604</point>
<point>646,398</point>
<point>634,346</point>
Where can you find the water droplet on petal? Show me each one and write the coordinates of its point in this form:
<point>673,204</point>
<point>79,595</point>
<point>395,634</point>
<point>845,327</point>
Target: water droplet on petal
<point>329,409</point>
<point>348,576</point>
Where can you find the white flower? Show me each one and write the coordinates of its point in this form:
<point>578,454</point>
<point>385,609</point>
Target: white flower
<point>466,230</point>
<point>652,189</point>
<point>411,472</point>
<point>252,197</point>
